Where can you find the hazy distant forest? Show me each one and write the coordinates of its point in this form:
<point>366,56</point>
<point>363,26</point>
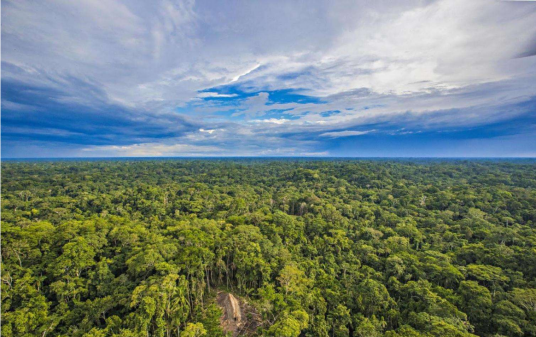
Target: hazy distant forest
<point>315,248</point>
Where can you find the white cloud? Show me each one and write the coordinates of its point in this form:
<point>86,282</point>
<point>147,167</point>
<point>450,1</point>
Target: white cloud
<point>278,121</point>
<point>150,150</point>
<point>141,53</point>
<point>264,146</point>
<point>347,133</point>
<point>214,95</point>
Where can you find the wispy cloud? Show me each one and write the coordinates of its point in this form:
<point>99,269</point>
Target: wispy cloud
<point>150,150</point>
<point>348,133</point>
<point>215,95</point>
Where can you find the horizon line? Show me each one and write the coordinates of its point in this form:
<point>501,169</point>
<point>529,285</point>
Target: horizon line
<point>265,157</point>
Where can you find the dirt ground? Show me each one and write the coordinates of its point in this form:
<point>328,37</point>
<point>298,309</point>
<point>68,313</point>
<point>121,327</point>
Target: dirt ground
<point>239,318</point>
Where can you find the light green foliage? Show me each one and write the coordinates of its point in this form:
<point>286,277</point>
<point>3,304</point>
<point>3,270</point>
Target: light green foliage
<point>290,324</point>
<point>292,280</point>
<point>370,327</point>
<point>194,330</point>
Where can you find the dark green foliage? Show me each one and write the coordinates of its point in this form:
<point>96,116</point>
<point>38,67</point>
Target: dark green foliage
<point>319,248</point>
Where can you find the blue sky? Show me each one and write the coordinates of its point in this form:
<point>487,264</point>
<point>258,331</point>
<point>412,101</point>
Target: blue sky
<point>445,78</point>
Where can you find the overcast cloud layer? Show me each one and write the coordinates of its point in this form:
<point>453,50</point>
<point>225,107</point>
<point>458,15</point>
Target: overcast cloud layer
<point>275,78</point>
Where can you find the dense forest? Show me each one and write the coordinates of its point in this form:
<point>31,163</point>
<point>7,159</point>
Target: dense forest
<point>317,248</point>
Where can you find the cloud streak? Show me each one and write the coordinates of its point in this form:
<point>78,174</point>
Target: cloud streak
<point>347,133</point>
